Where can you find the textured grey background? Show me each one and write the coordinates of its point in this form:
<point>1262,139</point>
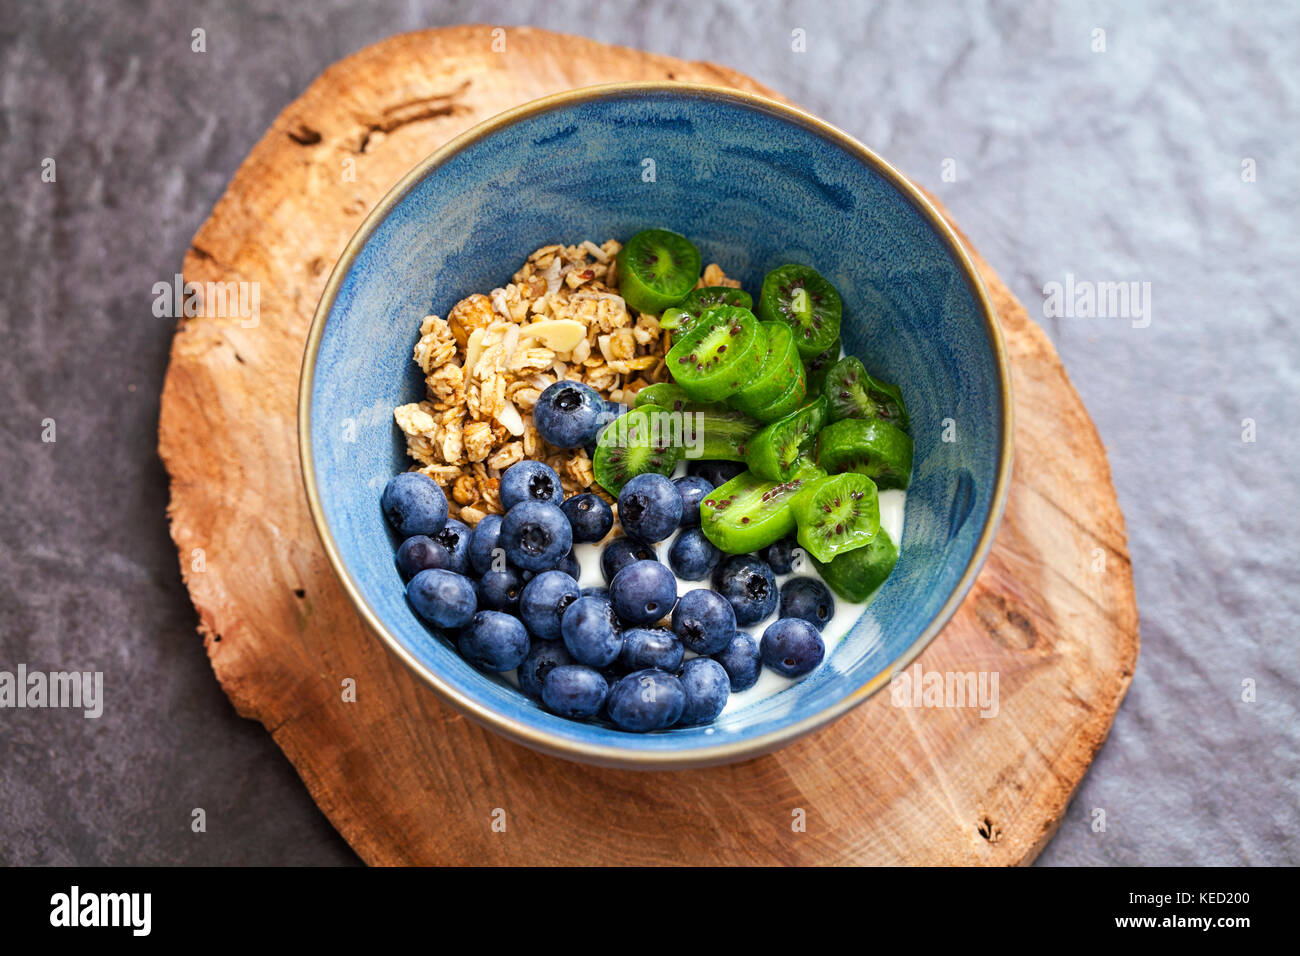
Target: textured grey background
<point>1116,165</point>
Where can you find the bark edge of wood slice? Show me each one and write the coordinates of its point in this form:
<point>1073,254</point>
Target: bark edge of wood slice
<point>404,778</point>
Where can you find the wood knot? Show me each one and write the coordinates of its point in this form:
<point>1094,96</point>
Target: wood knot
<point>1005,622</point>
<point>304,135</point>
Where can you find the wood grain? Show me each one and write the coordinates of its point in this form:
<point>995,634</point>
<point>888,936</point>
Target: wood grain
<point>407,780</point>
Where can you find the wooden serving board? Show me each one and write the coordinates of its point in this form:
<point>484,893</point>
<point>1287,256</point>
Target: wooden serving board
<point>408,780</point>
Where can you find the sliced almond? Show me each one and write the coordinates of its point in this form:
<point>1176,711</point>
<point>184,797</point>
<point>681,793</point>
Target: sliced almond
<point>509,417</point>
<point>558,335</point>
<point>472,349</point>
<point>510,342</point>
<point>603,342</point>
<point>552,276</point>
<point>595,251</point>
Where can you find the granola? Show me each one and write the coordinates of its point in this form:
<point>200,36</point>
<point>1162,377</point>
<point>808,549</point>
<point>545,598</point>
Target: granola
<point>560,317</point>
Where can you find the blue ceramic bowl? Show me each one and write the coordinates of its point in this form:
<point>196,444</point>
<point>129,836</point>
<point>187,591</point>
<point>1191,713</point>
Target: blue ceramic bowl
<point>754,184</point>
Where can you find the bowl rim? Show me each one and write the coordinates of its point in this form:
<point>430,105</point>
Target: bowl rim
<point>602,754</point>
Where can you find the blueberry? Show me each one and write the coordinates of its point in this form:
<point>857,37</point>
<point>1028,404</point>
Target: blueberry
<point>500,590</point>
<point>544,656</point>
<point>621,552</point>
<point>590,632</point>
<point>716,472</point>
<point>602,593</point>
<point>567,414</point>
<point>651,647</point>
<point>572,690</point>
<point>809,599</point>
<point>707,689</point>
<point>646,700</point>
<point>704,621</point>
<point>742,661</point>
<point>643,592</point>
<point>494,642</point>
<point>455,537</point>
<point>414,504</point>
<point>535,535</point>
<point>530,481</point>
<point>692,555</point>
<point>544,601</point>
<point>649,507</point>
<point>590,516</point>
<point>483,542</point>
<point>780,555</point>
<point>421,553</point>
<point>691,489</point>
<point>443,598</point>
<point>792,646</point>
<point>570,566</point>
<point>748,583</point>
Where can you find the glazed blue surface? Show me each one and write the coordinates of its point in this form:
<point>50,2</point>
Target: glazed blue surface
<point>753,190</point>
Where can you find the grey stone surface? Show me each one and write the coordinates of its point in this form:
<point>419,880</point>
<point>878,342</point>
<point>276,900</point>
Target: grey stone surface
<point>1122,165</point>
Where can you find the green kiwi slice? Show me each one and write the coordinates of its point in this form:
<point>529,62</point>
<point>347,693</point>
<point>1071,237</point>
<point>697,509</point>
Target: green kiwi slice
<point>800,297</point>
<point>639,441</point>
<point>775,452</point>
<point>819,365</point>
<point>836,514</point>
<point>855,394</point>
<point>870,447</point>
<point>656,269</point>
<point>779,367</point>
<point>748,513</point>
<point>856,575</point>
<point>790,399</point>
<point>664,394</point>
<point>681,317</point>
<point>709,432</point>
<point>718,355</point>
<point>716,433</point>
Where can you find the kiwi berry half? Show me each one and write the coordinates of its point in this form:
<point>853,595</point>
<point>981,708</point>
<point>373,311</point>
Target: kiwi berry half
<point>656,269</point>
<point>664,394</point>
<point>871,447</point>
<point>686,313</point>
<point>837,514</point>
<point>718,355</point>
<point>856,575</point>
<point>710,432</point>
<point>716,433</point>
<point>800,297</point>
<point>855,394</point>
<point>775,451</point>
<point>639,441</point>
<point>748,513</point>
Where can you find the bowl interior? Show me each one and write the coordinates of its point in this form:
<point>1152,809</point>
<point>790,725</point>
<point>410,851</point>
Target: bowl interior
<point>753,187</point>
